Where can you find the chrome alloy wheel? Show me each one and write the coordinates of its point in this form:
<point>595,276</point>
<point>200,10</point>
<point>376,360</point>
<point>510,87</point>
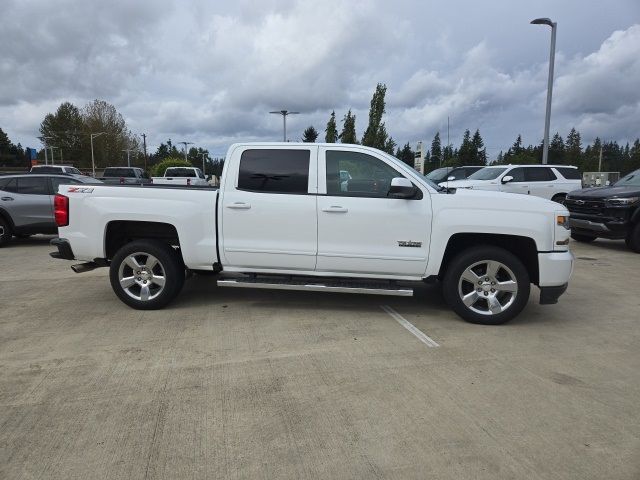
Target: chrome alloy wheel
<point>141,276</point>
<point>488,287</point>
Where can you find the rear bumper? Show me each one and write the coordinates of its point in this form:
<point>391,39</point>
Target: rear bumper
<point>555,268</point>
<point>64,249</point>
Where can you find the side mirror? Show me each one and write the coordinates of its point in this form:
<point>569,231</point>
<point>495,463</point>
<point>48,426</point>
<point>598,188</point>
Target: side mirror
<point>451,178</point>
<point>401,188</point>
<point>507,179</point>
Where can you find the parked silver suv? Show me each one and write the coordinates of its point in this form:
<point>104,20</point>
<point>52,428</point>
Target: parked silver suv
<point>26,203</point>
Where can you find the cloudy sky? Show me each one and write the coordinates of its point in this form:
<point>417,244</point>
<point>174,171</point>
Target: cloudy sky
<point>209,71</point>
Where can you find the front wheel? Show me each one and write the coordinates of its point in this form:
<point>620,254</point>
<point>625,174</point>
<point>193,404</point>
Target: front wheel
<point>486,285</point>
<point>5,232</point>
<point>633,238</point>
<point>146,274</point>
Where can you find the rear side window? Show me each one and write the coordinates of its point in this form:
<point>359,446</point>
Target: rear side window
<point>569,173</point>
<point>539,174</point>
<point>4,182</point>
<point>33,186</point>
<point>517,174</point>
<point>57,181</point>
<point>275,171</point>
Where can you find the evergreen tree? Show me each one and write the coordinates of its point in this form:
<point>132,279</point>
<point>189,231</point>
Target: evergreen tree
<point>573,149</point>
<point>389,145</point>
<point>5,143</point>
<point>406,155</point>
<point>348,134</point>
<point>331,132</point>
<point>310,134</point>
<point>376,134</point>
<point>479,151</point>
<point>633,160</point>
<point>466,152</point>
<point>436,149</point>
<point>556,149</point>
<point>64,129</point>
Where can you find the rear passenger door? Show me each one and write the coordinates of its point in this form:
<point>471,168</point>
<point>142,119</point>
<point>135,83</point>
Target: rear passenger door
<point>29,201</point>
<point>542,181</point>
<point>268,209</point>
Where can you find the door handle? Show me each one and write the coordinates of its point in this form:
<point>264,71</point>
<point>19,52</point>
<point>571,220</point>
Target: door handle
<point>7,199</point>
<point>335,209</point>
<point>240,206</point>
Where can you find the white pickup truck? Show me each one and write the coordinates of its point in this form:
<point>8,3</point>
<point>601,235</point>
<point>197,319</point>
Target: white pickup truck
<point>285,218</point>
<point>189,176</point>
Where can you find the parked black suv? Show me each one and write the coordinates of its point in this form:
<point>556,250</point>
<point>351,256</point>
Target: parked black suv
<point>607,212</point>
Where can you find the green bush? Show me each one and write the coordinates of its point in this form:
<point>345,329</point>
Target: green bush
<point>159,169</point>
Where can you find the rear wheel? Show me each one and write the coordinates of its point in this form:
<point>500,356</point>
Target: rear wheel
<point>146,274</point>
<point>579,237</point>
<point>486,285</point>
<point>5,232</point>
<point>633,238</point>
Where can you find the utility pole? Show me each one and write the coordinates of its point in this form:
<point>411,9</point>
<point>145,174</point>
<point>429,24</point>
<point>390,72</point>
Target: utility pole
<point>144,143</point>
<point>552,55</point>
<point>93,161</point>
<point>128,150</point>
<point>204,155</point>
<point>285,114</point>
<point>185,149</point>
<point>600,159</point>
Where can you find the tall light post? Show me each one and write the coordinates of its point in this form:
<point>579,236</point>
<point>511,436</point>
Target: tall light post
<point>552,55</point>
<point>52,147</point>
<point>44,141</point>
<point>285,114</point>
<point>93,161</point>
<point>185,149</point>
<point>129,150</point>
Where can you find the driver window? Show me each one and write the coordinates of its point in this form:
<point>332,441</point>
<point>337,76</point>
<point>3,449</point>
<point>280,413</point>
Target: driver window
<point>517,174</point>
<point>356,174</point>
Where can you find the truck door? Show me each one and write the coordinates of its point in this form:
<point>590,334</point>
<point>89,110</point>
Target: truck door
<point>268,208</point>
<point>542,181</point>
<point>360,229</point>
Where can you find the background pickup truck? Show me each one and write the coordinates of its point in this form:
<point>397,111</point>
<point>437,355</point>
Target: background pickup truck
<point>285,218</point>
<point>125,176</point>
<point>182,176</point>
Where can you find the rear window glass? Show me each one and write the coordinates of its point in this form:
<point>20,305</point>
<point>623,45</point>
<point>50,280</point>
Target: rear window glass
<point>119,172</point>
<point>180,172</point>
<point>569,173</point>
<point>46,169</point>
<point>276,171</point>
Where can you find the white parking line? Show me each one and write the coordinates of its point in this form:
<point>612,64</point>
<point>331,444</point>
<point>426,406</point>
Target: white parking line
<point>428,341</point>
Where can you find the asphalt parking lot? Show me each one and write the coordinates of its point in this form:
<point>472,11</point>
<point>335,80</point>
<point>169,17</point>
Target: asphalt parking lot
<point>235,383</point>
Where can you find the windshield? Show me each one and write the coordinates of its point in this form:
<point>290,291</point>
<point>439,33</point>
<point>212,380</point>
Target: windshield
<point>487,174</point>
<point>438,173</point>
<point>633,180</point>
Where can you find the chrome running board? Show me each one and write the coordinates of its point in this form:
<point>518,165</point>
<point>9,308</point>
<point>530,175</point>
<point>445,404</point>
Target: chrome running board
<point>339,286</point>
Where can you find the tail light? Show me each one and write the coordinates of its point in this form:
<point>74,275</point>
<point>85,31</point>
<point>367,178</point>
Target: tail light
<point>61,210</point>
<point>121,180</point>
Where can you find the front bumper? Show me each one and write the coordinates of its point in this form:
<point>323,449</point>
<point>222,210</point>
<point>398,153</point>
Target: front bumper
<point>64,249</point>
<point>605,228</point>
<point>554,268</point>
<point>550,295</point>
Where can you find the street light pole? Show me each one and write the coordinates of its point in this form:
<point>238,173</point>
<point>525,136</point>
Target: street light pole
<point>93,161</point>
<point>285,114</point>
<point>552,55</point>
<point>128,150</point>
<point>185,149</point>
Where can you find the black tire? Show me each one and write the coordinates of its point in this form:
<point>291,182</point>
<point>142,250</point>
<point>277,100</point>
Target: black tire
<point>170,267</point>
<point>633,238</point>
<point>579,237</point>
<point>559,198</point>
<point>5,232</point>
<point>511,271</point>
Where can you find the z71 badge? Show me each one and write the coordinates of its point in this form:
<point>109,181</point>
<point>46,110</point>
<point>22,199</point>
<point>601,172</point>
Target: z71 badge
<point>409,243</point>
<point>79,190</point>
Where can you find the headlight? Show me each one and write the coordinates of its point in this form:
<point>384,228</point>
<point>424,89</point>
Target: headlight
<point>620,202</point>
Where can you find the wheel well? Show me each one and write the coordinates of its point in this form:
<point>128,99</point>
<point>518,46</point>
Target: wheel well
<point>522,247</point>
<point>120,232</point>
